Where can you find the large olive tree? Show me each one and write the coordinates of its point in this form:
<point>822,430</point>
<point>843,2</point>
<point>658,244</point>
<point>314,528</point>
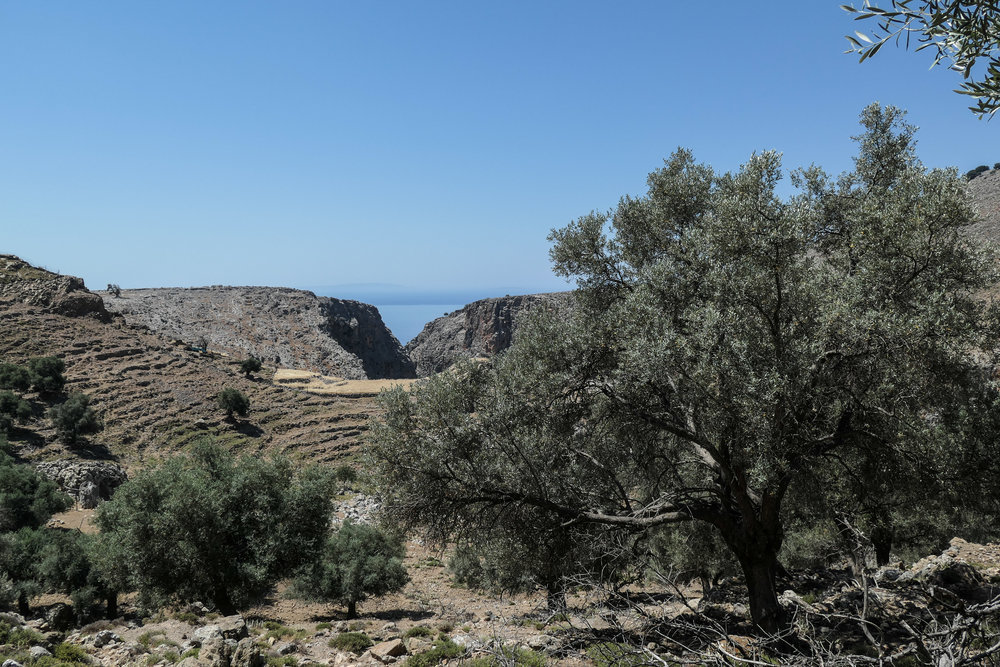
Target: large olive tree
<point>726,343</point>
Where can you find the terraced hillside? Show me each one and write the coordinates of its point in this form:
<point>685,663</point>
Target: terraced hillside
<point>156,396</point>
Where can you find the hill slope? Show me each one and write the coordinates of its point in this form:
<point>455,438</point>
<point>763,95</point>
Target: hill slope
<point>282,326</point>
<point>155,396</point>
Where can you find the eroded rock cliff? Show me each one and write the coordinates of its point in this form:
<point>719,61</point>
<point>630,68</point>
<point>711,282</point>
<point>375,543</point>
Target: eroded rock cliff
<point>480,329</point>
<point>282,326</point>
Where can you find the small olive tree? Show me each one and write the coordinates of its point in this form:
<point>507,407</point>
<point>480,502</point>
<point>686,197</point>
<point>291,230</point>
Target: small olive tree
<point>13,408</point>
<point>74,417</point>
<point>233,401</point>
<point>250,366</point>
<point>357,562</point>
<point>14,377</point>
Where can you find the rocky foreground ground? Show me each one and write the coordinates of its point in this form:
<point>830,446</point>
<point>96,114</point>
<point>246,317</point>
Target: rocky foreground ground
<point>435,621</point>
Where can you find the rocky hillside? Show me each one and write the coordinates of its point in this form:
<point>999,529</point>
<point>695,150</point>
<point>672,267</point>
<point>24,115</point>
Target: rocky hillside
<point>285,327</point>
<point>154,395</point>
<point>480,329</point>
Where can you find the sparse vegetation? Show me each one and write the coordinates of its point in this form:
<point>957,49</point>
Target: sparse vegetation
<point>355,642</point>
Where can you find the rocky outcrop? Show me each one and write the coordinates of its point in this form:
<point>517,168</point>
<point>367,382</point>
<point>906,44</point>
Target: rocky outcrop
<point>480,329</point>
<point>281,326</point>
<point>87,482</point>
<point>21,283</point>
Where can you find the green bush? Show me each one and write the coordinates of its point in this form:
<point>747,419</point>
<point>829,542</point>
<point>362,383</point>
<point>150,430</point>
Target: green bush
<point>21,638</point>
<point>521,657</point>
<point>12,408</point>
<point>355,642</point>
<point>357,562</point>
<point>47,374</point>
<point>443,649</point>
<point>74,417</point>
<point>234,401</point>
<point>14,377</point>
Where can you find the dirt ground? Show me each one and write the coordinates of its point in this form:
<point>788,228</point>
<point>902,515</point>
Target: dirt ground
<point>431,599</point>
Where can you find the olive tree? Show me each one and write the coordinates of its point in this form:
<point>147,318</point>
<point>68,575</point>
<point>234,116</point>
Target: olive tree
<point>725,343</point>
<point>961,32</point>
<point>233,401</point>
<point>212,527</point>
<point>74,417</point>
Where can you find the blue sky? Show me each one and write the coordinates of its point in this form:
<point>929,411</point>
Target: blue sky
<point>429,145</point>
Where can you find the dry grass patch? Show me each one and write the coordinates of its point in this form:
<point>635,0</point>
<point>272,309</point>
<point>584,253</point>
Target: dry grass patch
<point>326,385</point>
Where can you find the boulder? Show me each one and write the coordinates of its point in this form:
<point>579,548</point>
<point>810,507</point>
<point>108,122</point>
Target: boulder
<point>246,653</point>
<point>87,482</point>
<point>105,637</point>
<point>390,649</point>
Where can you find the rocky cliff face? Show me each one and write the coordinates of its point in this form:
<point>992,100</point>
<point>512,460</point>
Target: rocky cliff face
<point>286,327</point>
<point>984,190</point>
<point>22,283</point>
<point>480,329</point>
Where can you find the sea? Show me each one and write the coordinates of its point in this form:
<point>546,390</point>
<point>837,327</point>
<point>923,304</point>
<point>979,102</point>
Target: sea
<point>406,311</point>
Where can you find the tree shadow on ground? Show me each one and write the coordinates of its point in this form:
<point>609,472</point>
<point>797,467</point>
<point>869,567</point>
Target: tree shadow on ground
<point>248,428</point>
<point>398,614</point>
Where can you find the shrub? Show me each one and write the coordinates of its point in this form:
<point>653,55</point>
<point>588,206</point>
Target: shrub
<point>234,401</point>
<point>74,417</point>
<point>114,290</point>
<point>47,374</point>
<point>444,649</point>
<point>357,562</point>
<point>355,642</point>
<point>14,377</point>
<point>19,637</point>
<point>250,366</point>
<point>12,408</point>
<point>71,653</point>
